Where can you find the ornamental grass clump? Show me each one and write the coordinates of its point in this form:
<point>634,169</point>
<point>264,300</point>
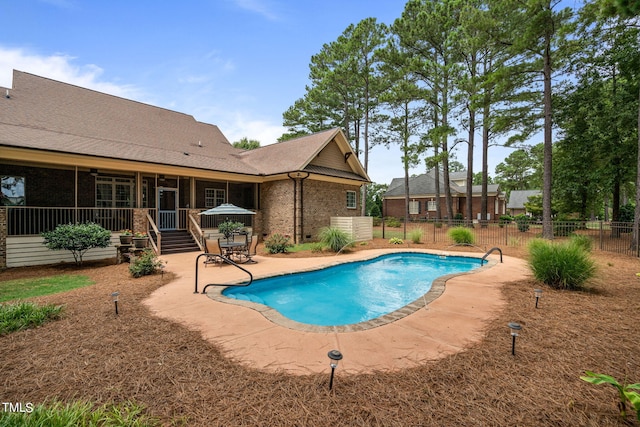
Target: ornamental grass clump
<point>24,315</point>
<point>462,236</point>
<point>416,236</point>
<point>561,265</point>
<point>334,238</point>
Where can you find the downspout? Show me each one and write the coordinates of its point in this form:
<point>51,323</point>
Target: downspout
<point>295,205</point>
<point>302,206</point>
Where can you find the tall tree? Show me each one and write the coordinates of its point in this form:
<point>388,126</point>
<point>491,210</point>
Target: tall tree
<point>426,31</point>
<point>344,88</point>
<point>404,100</point>
<point>519,170</point>
<point>539,30</point>
<point>628,10</point>
<point>364,43</point>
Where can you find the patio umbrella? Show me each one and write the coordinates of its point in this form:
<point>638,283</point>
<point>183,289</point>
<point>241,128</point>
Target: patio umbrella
<point>227,209</point>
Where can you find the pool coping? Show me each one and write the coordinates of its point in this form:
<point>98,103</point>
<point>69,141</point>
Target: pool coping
<point>437,289</point>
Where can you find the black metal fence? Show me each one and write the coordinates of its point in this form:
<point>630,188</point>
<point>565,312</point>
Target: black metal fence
<point>606,236</point>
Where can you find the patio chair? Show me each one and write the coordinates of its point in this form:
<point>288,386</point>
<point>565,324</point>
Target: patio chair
<point>240,249</point>
<point>252,248</point>
<point>209,248</point>
<point>224,251</point>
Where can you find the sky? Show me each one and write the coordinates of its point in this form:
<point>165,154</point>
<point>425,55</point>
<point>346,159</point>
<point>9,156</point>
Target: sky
<point>238,64</point>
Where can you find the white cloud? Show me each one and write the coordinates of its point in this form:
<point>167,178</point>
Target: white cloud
<point>59,67</point>
<point>239,126</point>
<point>258,6</point>
<point>233,122</point>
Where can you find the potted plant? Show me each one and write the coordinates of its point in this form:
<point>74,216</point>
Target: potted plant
<point>126,237</point>
<point>140,239</point>
<point>229,227</point>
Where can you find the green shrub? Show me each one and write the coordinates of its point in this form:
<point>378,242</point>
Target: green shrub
<point>24,315</point>
<point>145,264</point>
<point>396,241</point>
<point>523,222</point>
<point>560,265</point>
<point>277,243</point>
<point>392,222</point>
<point>504,219</point>
<point>377,221</point>
<point>416,236</point>
<point>582,241</point>
<point>334,238</point>
<point>437,224</point>
<point>461,235</point>
<point>77,238</point>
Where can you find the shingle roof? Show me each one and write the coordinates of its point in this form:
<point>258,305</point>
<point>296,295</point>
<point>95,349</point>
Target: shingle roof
<point>286,156</point>
<point>517,198</point>
<point>425,185</point>
<point>49,115</point>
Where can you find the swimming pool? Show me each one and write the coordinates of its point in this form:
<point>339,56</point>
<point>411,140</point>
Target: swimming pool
<point>353,292</point>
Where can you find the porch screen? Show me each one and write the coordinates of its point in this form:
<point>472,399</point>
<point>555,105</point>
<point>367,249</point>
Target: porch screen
<point>213,197</point>
<point>114,192</point>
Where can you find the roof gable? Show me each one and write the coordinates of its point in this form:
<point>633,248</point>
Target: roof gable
<point>323,151</point>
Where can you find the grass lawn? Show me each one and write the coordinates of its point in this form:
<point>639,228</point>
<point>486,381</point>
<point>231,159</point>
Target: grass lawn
<point>28,288</point>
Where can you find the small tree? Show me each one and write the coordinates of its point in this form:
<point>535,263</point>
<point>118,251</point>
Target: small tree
<point>77,238</point>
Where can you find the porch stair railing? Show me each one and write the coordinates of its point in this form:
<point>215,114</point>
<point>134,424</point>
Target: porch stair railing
<point>157,243</point>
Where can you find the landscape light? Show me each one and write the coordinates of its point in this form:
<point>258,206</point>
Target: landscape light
<point>538,294</point>
<point>334,358</point>
<point>515,327</point>
<point>114,296</point>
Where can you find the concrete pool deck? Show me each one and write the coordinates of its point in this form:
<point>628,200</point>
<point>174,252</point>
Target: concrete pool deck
<point>446,325</point>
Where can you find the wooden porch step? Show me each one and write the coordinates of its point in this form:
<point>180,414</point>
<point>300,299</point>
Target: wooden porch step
<point>177,241</point>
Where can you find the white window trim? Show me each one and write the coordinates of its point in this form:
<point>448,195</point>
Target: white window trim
<point>219,195</point>
<point>414,207</point>
<point>355,199</point>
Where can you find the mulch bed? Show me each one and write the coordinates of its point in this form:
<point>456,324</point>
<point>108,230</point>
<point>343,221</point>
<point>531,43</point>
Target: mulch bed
<point>181,379</point>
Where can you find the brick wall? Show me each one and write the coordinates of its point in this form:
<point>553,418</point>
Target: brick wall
<point>276,202</point>
<point>320,201</point>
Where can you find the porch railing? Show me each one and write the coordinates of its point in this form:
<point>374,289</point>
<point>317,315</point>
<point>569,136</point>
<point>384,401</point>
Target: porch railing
<point>26,220</point>
<point>29,220</point>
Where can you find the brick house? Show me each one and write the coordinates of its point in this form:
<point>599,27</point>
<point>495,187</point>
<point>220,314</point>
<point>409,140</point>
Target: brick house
<point>423,201</point>
<point>70,154</point>
<point>517,199</point>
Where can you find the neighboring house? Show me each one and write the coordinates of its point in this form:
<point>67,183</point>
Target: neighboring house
<point>423,201</point>
<point>72,154</point>
<point>517,199</point>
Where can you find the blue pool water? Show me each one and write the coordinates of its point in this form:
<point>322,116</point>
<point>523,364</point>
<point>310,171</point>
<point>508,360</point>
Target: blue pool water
<point>353,292</point>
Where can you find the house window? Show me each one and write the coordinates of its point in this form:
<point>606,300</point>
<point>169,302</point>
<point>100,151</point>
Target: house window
<point>414,207</point>
<point>12,191</point>
<point>213,197</point>
<point>351,200</point>
<point>431,205</point>
<point>114,192</point>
